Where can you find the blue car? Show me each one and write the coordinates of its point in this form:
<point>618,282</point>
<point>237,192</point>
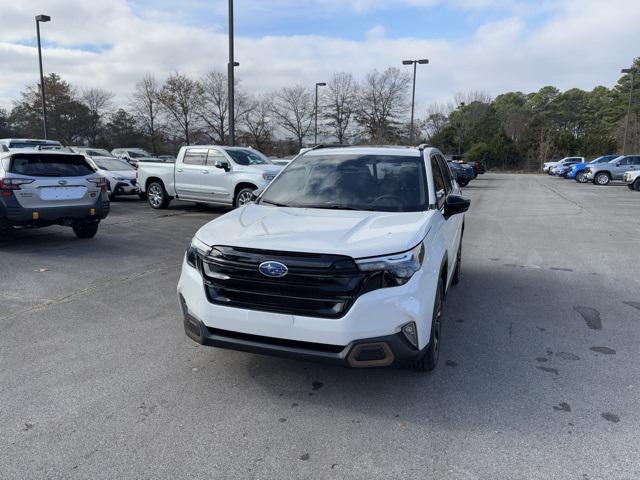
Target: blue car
<point>462,172</point>
<point>577,170</point>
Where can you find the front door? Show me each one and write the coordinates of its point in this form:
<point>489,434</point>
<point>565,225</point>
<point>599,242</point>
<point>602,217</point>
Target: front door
<point>215,182</point>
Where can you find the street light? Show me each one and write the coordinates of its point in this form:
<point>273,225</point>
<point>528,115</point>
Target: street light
<point>415,63</point>
<point>632,71</point>
<point>460,130</point>
<point>231,80</point>
<point>315,136</point>
<point>43,19</point>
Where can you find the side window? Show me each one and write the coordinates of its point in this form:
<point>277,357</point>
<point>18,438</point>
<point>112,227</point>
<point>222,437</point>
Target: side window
<point>624,161</point>
<point>195,156</point>
<point>213,156</point>
<point>446,174</point>
<point>438,182</point>
<point>636,161</point>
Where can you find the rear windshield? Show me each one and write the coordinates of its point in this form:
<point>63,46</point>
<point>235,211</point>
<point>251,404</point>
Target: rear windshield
<point>48,165</point>
<point>32,144</point>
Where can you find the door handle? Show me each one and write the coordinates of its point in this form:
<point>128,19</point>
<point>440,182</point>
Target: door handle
<point>179,170</point>
<point>206,172</point>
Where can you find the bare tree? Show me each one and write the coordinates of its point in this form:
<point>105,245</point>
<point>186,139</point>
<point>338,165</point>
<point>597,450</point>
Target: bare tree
<point>214,110</point>
<point>98,101</point>
<point>340,100</point>
<point>144,103</point>
<point>258,125</point>
<point>472,96</point>
<point>437,120</point>
<point>382,103</point>
<point>180,97</point>
<point>293,109</point>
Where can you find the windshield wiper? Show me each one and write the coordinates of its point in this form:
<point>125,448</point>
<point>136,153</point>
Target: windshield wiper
<point>332,206</point>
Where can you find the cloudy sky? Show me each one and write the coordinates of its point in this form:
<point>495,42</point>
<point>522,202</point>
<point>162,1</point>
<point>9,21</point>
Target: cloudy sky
<point>489,45</point>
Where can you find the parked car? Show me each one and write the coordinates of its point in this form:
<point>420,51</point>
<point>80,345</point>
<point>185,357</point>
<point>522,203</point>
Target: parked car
<point>632,179</point>
<point>562,169</point>
<point>133,155</point>
<point>207,174</point>
<point>345,258</point>
<point>549,165</point>
<point>462,172</point>
<point>577,170</point>
<point>120,175</point>
<point>38,189</point>
<point>603,173</point>
<point>28,143</point>
<point>478,167</point>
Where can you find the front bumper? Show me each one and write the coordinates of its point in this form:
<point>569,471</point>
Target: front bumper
<point>629,179</point>
<point>19,216</point>
<point>375,318</point>
<point>590,174</point>
<point>125,188</point>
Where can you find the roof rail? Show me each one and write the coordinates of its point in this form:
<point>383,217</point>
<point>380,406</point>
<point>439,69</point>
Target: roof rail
<point>422,146</point>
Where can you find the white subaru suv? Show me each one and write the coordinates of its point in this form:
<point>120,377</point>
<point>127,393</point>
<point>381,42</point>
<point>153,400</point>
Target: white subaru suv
<point>42,188</point>
<point>344,258</point>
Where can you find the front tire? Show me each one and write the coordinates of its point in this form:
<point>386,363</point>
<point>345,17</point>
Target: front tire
<point>157,196</point>
<point>602,179</point>
<point>429,359</point>
<point>243,197</point>
<point>85,230</point>
<point>581,177</point>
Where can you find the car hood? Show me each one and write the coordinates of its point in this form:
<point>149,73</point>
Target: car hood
<point>551,164</point>
<point>357,234</point>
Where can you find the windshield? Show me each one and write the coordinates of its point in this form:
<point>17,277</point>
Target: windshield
<point>247,157</point>
<point>96,152</point>
<point>351,182</point>
<point>616,159</point>
<point>112,164</point>
<point>138,154</point>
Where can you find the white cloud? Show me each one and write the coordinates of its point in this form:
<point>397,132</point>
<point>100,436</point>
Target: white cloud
<point>583,44</point>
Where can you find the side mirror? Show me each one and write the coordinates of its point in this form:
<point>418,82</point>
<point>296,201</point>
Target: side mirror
<point>454,205</point>
<point>223,164</point>
<point>256,193</point>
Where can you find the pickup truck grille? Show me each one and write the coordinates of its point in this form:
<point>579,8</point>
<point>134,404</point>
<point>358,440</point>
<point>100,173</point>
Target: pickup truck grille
<point>316,285</point>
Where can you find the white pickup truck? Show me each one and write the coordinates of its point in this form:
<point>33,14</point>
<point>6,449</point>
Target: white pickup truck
<point>209,174</point>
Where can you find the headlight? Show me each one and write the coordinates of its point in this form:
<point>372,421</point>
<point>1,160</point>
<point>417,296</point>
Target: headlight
<point>397,268</point>
<point>268,176</point>
<point>196,248</point>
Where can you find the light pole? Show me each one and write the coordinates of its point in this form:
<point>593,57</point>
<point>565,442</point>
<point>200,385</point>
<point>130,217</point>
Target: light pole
<point>415,63</point>
<point>42,18</point>
<point>315,135</point>
<point>231,79</point>
<point>632,71</point>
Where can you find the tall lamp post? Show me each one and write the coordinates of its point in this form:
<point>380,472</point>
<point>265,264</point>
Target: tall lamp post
<point>43,19</point>
<point>415,63</point>
<point>231,79</point>
<point>632,71</point>
<point>315,135</point>
<point>460,130</point>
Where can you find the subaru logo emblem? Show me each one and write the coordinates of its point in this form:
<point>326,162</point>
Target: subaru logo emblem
<point>62,182</point>
<point>273,269</point>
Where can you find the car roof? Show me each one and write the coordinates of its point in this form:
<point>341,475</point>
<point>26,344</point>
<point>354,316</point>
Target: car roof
<point>397,150</point>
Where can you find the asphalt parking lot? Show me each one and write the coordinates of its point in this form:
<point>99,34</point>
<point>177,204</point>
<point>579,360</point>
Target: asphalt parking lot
<point>539,374</point>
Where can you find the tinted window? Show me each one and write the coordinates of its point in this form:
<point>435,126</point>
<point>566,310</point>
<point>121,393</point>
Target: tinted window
<point>195,156</point>
<point>446,174</point>
<point>247,157</point>
<point>47,165</point>
<point>360,182</point>
<point>438,182</point>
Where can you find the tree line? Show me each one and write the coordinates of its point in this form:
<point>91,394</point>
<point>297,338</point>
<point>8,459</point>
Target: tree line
<point>514,131</point>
